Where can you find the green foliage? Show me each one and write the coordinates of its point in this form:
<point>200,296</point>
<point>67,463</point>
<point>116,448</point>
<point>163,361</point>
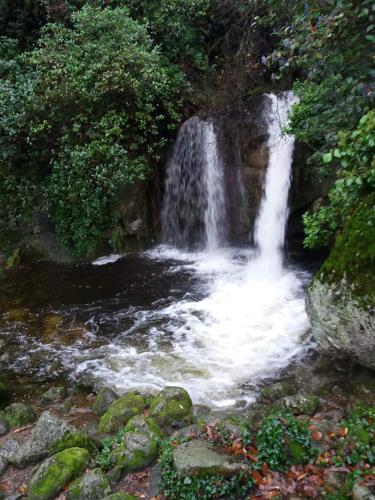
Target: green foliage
<point>193,488</point>
<point>284,440</point>
<point>104,457</point>
<point>84,113</point>
<point>359,444</point>
<point>355,165</point>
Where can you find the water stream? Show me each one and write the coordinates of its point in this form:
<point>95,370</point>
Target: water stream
<point>216,320</point>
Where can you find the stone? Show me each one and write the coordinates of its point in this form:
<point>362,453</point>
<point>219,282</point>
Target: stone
<point>57,471</point>
<point>187,432</point>
<point>140,444</point>
<point>196,458</point>
<point>3,465</point>
<point>361,492</point>
<point>121,411</point>
<point>19,414</point>
<point>9,449</point>
<point>199,411</point>
<point>103,401</point>
<point>50,435</point>
<point>276,391</point>
<point>299,404</point>
<point>94,485</point>
<point>340,300</point>
<point>172,405</point>
<point>54,395</point>
<point>4,427</point>
<point>155,488</point>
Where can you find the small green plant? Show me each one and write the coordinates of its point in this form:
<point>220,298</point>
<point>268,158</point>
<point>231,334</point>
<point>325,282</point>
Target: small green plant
<point>104,457</point>
<point>359,444</point>
<point>194,488</point>
<point>284,440</point>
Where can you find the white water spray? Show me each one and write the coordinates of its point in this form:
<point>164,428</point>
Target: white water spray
<point>273,214</point>
<point>194,202</point>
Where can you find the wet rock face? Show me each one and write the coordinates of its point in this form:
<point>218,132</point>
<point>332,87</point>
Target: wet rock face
<point>341,299</point>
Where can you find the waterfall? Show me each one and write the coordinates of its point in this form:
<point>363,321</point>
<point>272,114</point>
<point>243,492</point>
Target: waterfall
<point>194,201</point>
<point>273,213</point>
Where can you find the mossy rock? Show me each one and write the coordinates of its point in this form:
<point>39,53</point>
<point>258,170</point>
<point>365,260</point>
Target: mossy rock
<point>340,300</point>
<point>276,391</point>
<point>73,439</point>
<point>172,405</point>
<point>144,424</point>
<point>18,414</point>
<point>94,485</point>
<point>57,471</point>
<point>140,444</point>
<point>121,411</point>
<point>104,398</point>
<point>54,395</point>
<point>299,404</point>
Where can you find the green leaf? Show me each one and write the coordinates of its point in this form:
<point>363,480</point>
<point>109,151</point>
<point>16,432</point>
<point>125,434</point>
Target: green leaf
<point>327,158</point>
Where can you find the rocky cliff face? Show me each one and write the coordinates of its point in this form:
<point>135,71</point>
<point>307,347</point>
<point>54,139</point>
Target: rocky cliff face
<point>341,298</point>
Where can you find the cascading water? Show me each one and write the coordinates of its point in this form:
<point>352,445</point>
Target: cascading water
<point>269,234</point>
<point>232,316</point>
<point>194,201</point>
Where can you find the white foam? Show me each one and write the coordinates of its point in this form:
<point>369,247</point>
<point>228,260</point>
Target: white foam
<point>106,259</point>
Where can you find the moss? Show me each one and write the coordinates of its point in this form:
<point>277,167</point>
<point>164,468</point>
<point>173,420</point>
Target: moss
<point>57,471</point>
<point>137,451</point>
<point>92,486</point>
<point>144,424</point>
<point>73,440</point>
<point>353,255</point>
<point>121,411</point>
<point>172,404</point>
<point>296,452</point>
<point>18,414</point>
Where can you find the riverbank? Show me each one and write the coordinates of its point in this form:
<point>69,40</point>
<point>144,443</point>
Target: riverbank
<point>291,443</point>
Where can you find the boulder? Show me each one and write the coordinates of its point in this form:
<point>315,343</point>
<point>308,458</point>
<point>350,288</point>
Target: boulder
<point>121,411</point>
<point>340,300</point>
<point>140,444</point>
<point>3,465</point>
<point>196,458</point>
<point>54,395</point>
<point>57,471</point>
<point>94,485</point>
<point>50,435</point>
<point>172,405</point>
<point>103,401</point>
<point>9,449</point>
<point>18,414</point>
<point>4,427</point>
<point>300,404</point>
<point>276,391</point>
